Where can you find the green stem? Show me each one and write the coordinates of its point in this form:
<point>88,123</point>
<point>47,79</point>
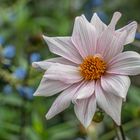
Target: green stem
<point>119,132</point>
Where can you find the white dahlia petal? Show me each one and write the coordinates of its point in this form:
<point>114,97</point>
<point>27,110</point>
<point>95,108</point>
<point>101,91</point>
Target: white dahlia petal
<point>131,31</point>
<point>126,63</point>
<point>109,44</point>
<point>84,36</point>
<point>115,84</point>
<point>110,103</point>
<point>64,47</point>
<point>44,65</point>
<point>98,24</point>
<point>85,91</point>
<point>62,101</point>
<point>92,71</point>
<point>50,87</point>
<point>85,110</point>
<point>114,20</point>
<point>63,73</point>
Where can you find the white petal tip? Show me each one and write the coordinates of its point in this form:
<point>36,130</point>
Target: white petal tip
<point>135,24</point>
<point>115,18</point>
<point>34,64</point>
<point>77,18</point>
<point>95,17</point>
<point>43,36</point>
<point>95,14</point>
<point>118,14</point>
<point>118,122</point>
<point>47,117</point>
<point>86,125</point>
<point>83,16</point>
<point>80,18</point>
<point>36,94</point>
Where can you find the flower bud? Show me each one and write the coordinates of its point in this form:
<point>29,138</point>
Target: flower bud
<point>98,117</point>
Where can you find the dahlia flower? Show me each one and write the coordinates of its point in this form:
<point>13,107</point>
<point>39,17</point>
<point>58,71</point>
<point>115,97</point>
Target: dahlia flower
<point>92,71</point>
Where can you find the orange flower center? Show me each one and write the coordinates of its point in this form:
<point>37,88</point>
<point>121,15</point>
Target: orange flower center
<point>92,68</point>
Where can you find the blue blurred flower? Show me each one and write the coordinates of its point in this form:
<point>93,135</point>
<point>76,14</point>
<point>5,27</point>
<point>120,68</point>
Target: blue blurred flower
<point>35,57</point>
<point>137,36</point>
<point>90,6</point>
<point>26,91</point>
<point>20,89</point>
<point>9,51</point>
<point>96,2</point>
<point>2,40</point>
<point>20,73</point>
<point>7,89</point>
<point>102,16</point>
<point>29,92</point>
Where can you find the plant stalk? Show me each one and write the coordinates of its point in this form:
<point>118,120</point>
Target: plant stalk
<point>119,132</point>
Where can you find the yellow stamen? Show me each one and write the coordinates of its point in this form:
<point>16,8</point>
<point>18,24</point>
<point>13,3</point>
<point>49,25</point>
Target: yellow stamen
<point>92,68</point>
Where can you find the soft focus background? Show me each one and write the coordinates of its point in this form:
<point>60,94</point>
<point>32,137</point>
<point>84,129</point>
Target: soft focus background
<point>22,22</point>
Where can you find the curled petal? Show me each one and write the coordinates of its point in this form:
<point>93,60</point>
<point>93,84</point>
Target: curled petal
<point>126,63</point>
<point>85,110</point>
<point>84,36</point>
<point>110,103</point>
<point>63,73</point>
<point>115,84</point>
<point>114,20</point>
<point>109,44</point>
<point>131,31</point>
<point>64,47</point>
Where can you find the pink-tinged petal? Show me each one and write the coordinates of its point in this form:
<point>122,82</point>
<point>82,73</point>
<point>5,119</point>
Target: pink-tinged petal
<point>85,110</point>
<point>84,36</point>
<point>98,24</point>
<point>110,103</point>
<point>114,20</point>
<point>50,87</point>
<point>115,84</point>
<point>61,60</point>
<point>131,31</point>
<point>64,73</point>
<point>109,44</point>
<point>126,63</point>
<point>62,101</point>
<point>85,91</point>
<point>44,65</point>
<point>64,47</point>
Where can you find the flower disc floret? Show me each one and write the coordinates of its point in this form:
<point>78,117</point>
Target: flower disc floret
<point>92,68</point>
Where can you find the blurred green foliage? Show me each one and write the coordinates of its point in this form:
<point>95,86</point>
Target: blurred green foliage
<point>22,22</point>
